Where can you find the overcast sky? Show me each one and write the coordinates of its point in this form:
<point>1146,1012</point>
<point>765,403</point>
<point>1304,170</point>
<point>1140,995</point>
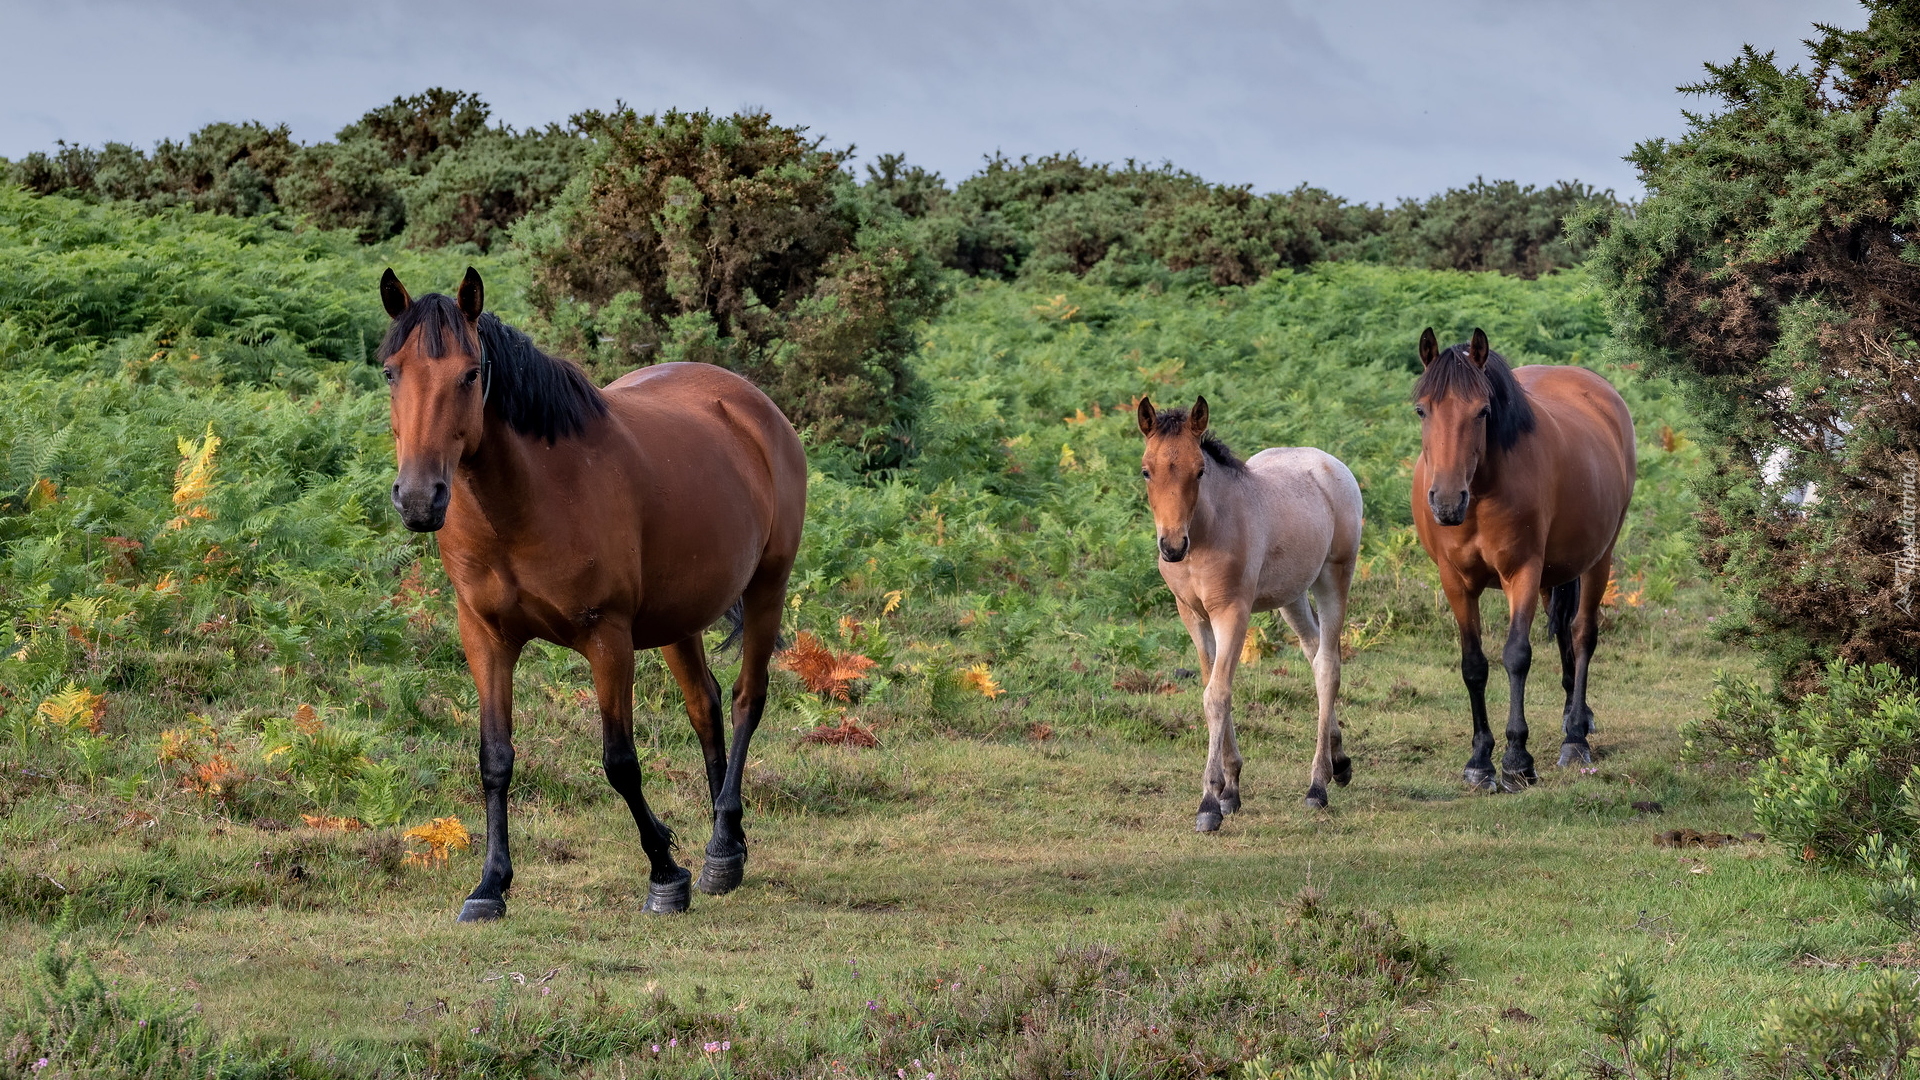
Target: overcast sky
<point>1372,99</point>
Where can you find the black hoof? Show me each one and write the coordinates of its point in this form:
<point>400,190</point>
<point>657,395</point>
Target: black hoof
<point>1478,778</point>
<point>722,873</point>
<point>483,910</point>
<point>669,898</point>
<point>1517,780</point>
<point>1206,822</point>
<point>1316,798</point>
<point>1230,803</point>
<point>1574,753</point>
<point>1343,771</point>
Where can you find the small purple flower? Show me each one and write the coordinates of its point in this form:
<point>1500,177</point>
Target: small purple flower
<point>673,1041</point>
<point>545,990</point>
<point>473,1031</point>
<point>727,1045</point>
<point>41,1064</point>
<point>871,1006</point>
<point>712,1048</point>
<point>656,1048</point>
<point>901,1073</point>
<point>917,1065</point>
<point>143,1023</point>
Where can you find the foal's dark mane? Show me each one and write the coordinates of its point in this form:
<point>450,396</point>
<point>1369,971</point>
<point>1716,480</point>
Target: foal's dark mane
<point>1453,372</point>
<point>538,395</point>
<point>1169,422</point>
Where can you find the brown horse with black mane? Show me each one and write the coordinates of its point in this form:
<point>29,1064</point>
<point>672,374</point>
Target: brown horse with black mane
<point>1523,482</point>
<point>602,520</point>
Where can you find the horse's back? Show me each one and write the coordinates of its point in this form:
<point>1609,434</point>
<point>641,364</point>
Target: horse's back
<point>1590,423</point>
<point>1310,490</point>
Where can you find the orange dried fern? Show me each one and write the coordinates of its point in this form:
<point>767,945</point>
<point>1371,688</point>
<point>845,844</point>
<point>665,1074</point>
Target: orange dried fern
<point>825,672</point>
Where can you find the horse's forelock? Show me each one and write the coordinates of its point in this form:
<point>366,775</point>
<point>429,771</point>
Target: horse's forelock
<point>438,320</point>
<point>1453,373</point>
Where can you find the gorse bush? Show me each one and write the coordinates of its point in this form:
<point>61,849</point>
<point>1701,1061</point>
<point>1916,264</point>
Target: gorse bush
<point>735,241</point>
<point>428,165</point>
<point>1770,274</point>
<point>1835,769</point>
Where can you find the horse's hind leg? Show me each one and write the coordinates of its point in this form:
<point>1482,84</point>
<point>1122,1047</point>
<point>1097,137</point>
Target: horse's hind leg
<point>611,654</point>
<point>727,850</point>
<point>1577,723</point>
<point>687,660</point>
<point>1330,595</point>
<point>1307,626</point>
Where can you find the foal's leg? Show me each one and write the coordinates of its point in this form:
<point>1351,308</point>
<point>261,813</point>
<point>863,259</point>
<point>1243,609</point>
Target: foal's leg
<point>1201,631</point>
<point>1306,626</point>
<point>1523,597</point>
<point>1330,595</point>
<point>727,850</point>
<point>491,658</point>
<point>1230,633</point>
<point>687,660</point>
<point>1578,721</point>
<point>610,651</point>
<point>1465,602</point>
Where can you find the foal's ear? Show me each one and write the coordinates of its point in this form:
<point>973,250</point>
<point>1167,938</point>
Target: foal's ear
<point>1197,418</point>
<point>394,295</point>
<point>473,295</point>
<point>1146,417</point>
<point>1429,347</point>
<point>1477,348</point>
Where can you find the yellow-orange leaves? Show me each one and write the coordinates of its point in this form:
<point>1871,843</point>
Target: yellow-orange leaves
<point>824,671</point>
<point>442,836</point>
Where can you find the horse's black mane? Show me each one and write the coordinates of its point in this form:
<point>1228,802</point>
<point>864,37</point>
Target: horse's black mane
<point>1174,422</point>
<point>539,395</point>
<point>1510,415</point>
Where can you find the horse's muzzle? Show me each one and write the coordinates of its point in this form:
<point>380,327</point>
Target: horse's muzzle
<point>1451,512</point>
<point>1171,553</point>
<point>423,507</point>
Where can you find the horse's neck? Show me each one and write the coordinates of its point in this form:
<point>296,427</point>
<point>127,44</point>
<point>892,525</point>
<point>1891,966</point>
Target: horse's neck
<point>499,478</point>
<point>1221,504</point>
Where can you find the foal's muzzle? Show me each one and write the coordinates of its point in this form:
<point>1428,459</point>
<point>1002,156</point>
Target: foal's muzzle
<point>1448,511</point>
<point>422,505</point>
<point>1172,552</point>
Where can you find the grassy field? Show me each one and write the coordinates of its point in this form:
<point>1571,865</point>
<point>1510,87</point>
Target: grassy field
<point>204,644</point>
<point>939,855</point>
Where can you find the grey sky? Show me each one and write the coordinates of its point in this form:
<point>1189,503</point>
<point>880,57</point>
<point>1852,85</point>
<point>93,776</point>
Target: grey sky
<point>1372,99</point>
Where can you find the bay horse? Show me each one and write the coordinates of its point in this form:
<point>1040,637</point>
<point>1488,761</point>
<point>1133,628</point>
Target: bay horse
<point>1237,538</point>
<point>604,521</point>
<point>1523,482</point>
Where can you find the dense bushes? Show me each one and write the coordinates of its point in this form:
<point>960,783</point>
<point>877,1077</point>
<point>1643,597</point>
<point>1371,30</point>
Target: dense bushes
<point>1059,214</point>
<point>428,165</point>
<point>1770,274</point>
<point>736,241</point>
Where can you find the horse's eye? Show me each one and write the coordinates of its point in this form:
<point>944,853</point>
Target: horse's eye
<point>1420,411</point>
<point>1145,473</point>
<point>472,374</point>
<point>1486,412</point>
<point>392,375</point>
<point>1202,472</point>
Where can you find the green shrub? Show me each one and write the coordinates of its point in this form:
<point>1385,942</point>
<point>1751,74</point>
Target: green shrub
<point>1844,758</point>
<point>1872,1032</point>
<point>1768,274</point>
<point>1643,1040</point>
<point>736,241</point>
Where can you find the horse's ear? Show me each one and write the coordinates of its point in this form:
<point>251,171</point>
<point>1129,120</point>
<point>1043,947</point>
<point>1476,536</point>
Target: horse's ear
<point>1477,348</point>
<point>394,295</point>
<point>473,295</point>
<point>1146,417</point>
<point>1429,347</point>
<point>1197,418</point>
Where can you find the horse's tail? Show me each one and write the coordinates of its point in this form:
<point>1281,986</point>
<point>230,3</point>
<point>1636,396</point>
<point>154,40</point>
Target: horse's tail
<point>1562,601</point>
<point>736,620</point>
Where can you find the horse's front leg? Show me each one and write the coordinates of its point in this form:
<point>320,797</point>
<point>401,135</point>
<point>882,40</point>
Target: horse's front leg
<point>610,652</point>
<point>490,658</point>
<point>1221,782</point>
<point>1465,602</point>
<point>1523,597</point>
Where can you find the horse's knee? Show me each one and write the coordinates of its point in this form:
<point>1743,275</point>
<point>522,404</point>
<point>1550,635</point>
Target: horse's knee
<point>496,765</point>
<point>1517,657</point>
